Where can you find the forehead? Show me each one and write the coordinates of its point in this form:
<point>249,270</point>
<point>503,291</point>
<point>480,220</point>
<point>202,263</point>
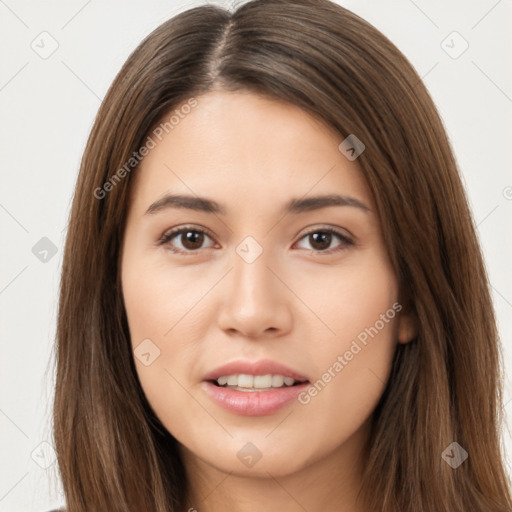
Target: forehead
<point>248,150</point>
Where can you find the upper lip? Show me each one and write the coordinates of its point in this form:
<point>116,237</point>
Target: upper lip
<point>261,367</point>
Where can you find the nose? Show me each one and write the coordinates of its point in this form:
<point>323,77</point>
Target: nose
<point>256,301</point>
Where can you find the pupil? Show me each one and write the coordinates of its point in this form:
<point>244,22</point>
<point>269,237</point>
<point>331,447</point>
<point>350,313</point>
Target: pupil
<point>321,238</point>
<point>193,239</point>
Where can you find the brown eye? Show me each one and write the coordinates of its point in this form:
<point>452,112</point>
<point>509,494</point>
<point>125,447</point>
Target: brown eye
<point>192,239</point>
<point>320,241</point>
<point>185,240</point>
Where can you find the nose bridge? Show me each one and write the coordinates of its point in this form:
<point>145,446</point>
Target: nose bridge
<point>255,300</point>
<point>252,281</point>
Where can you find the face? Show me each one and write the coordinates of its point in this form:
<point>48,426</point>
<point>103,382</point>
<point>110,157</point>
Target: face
<point>262,306</point>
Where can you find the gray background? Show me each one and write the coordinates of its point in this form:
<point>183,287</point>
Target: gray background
<point>48,104</point>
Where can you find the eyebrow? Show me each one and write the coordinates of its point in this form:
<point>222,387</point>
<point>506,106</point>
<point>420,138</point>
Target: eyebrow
<point>203,204</point>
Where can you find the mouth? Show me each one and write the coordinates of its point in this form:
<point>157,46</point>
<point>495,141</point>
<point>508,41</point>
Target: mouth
<point>254,388</point>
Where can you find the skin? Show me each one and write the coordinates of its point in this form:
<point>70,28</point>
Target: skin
<point>293,304</point>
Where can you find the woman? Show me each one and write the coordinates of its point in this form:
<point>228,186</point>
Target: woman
<point>273,296</point>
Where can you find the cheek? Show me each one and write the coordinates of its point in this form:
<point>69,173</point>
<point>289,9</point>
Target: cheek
<point>354,362</point>
<point>163,306</point>
<point>160,301</point>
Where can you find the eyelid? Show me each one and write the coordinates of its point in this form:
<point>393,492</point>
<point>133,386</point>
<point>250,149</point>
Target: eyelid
<point>190,227</point>
<point>326,227</point>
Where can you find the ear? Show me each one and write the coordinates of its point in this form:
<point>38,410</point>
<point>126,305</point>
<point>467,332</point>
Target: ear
<point>407,326</point>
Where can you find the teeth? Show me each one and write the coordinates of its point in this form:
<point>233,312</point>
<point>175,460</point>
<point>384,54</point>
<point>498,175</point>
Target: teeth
<point>262,381</point>
<point>255,381</point>
<point>245,381</point>
<point>277,381</point>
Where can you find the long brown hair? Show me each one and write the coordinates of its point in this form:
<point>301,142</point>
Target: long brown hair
<point>445,385</point>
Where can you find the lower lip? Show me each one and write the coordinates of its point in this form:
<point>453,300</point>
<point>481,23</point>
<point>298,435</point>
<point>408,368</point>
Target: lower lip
<point>253,403</point>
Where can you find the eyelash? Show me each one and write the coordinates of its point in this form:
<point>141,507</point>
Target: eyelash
<point>168,236</point>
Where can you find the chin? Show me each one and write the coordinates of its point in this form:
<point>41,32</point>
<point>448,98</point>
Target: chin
<point>257,458</point>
